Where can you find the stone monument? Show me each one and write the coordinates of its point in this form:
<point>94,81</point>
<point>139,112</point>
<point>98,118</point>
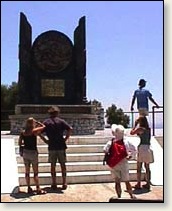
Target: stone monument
<point>52,71</point>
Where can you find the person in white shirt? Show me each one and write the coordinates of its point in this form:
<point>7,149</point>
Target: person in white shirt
<point>118,159</point>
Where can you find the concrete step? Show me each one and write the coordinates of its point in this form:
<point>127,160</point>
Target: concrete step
<point>71,157</point>
<point>84,162</point>
<point>75,167</point>
<point>91,148</point>
<point>77,177</point>
<point>79,140</point>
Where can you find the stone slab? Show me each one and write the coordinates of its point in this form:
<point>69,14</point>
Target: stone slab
<point>9,174</point>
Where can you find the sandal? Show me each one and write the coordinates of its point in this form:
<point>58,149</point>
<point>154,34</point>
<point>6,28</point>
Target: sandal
<point>54,187</point>
<point>64,186</point>
<point>146,186</point>
<point>133,197</point>
<point>29,190</point>
<point>137,187</point>
<point>40,191</point>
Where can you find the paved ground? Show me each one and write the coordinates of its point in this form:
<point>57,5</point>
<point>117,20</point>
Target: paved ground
<point>82,193</point>
<point>160,140</point>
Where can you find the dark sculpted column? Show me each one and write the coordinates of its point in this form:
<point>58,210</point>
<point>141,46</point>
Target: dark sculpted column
<point>25,42</point>
<point>80,60</point>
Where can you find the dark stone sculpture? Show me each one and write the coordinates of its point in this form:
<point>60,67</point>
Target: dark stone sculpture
<point>80,59</point>
<point>25,42</point>
<point>52,70</point>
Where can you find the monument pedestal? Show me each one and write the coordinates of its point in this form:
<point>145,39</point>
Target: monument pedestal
<point>81,117</point>
<point>52,70</point>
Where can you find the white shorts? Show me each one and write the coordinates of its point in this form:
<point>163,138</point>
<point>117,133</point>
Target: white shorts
<point>120,172</point>
<point>143,112</point>
<point>145,154</point>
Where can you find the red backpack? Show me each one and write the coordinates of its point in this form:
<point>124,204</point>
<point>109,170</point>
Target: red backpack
<point>117,153</point>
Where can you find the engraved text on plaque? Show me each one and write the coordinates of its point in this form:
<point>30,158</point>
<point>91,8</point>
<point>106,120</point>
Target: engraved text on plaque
<point>52,88</point>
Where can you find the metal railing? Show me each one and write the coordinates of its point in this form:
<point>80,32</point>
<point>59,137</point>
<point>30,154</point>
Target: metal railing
<point>153,117</point>
<point>153,112</point>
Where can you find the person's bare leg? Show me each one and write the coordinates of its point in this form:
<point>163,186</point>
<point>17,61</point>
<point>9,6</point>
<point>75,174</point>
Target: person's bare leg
<point>35,170</point>
<point>53,174</point>
<point>129,189</point>
<point>118,189</point>
<point>139,166</point>
<point>27,177</point>
<point>63,169</point>
<point>148,175</point>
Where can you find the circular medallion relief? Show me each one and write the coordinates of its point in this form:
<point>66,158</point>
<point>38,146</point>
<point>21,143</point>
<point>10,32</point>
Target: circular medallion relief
<point>52,51</point>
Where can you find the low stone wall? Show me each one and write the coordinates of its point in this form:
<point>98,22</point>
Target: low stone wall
<point>100,123</point>
<point>83,118</point>
<point>83,124</point>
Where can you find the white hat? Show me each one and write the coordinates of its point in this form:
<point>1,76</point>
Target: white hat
<point>118,128</point>
<point>118,131</point>
<point>113,127</point>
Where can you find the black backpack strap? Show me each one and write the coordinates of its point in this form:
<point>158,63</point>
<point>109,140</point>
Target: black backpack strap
<point>108,153</point>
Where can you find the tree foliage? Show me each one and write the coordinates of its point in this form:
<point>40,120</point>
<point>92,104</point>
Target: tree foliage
<point>97,104</point>
<point>9,96</point>
<point>117,116</point>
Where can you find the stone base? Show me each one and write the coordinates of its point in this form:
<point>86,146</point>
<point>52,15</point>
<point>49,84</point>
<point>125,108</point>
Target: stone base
<point>80,117</point>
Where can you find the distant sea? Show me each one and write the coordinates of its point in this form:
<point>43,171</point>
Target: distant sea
<point>158,131</point>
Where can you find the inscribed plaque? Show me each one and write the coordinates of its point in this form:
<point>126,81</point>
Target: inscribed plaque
<point>52,88</point>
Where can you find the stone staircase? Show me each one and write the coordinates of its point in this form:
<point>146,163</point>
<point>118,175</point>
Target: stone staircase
<point>84,162</point>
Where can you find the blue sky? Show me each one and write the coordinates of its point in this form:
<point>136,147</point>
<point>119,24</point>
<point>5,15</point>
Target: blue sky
<point>124,43</point>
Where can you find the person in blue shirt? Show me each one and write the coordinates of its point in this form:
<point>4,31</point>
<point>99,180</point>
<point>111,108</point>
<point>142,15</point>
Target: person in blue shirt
<point>142,95</point>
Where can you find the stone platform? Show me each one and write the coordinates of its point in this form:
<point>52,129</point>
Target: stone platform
<point>81,117</point>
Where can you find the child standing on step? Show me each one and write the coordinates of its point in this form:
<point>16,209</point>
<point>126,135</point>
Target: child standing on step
<point>118,160</point>
<point>145,154</point>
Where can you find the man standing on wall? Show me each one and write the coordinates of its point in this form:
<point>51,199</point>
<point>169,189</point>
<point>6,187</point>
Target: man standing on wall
<point>55,129</point>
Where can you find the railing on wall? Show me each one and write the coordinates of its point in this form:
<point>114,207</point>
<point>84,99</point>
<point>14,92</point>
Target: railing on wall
<point>153,113</point>
<point>153,117</point>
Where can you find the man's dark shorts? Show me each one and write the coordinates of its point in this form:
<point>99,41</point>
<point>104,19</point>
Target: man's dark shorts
<point>55,155</point>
